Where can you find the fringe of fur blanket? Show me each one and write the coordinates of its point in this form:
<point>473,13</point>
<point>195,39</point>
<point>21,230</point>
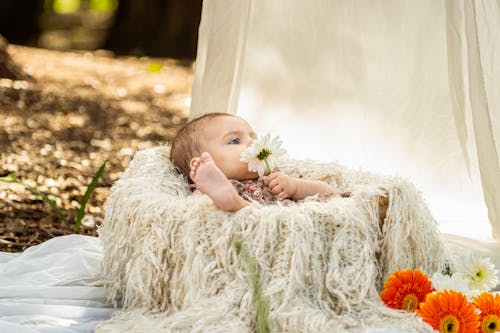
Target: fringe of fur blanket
<point>170,258</point>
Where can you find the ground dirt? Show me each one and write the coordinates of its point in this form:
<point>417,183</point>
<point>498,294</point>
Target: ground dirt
<point>83,109</point>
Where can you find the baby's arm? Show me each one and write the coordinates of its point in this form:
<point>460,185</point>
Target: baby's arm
<point>284,186</point>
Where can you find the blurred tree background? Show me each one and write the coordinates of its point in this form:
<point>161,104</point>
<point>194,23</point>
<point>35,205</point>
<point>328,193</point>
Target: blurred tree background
<point>156,28</point>
<point>83,82</point>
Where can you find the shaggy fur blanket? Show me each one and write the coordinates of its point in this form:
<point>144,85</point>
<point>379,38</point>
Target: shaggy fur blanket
<point>171,260</point>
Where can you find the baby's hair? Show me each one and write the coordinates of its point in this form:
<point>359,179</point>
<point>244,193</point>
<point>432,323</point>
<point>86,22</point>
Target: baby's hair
<point>186,143</point>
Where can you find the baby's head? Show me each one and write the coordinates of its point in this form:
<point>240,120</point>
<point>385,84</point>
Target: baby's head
<point>223,136</point>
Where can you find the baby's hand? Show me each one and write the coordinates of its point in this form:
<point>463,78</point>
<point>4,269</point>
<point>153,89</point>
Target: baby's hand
<point>281,185</point>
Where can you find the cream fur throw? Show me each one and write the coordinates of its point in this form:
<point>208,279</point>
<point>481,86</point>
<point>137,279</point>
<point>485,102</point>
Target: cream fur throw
<point>171,262</point>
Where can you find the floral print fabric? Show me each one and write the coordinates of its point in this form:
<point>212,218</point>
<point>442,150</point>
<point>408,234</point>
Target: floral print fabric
<point>254,190</point>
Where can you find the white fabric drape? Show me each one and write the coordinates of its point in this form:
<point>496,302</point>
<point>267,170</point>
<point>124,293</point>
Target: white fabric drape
<point>404,87</point>
<point>474,58</point>
<point>53,287</point>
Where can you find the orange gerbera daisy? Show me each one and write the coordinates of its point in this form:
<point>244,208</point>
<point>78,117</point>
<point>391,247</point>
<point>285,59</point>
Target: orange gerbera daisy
<point>405,289</point>
<point>448,311</point>
<point>489,306</point>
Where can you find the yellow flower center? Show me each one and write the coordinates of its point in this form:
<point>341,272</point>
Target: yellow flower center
<point>263,154</point>
<point>410,302</point>
<point>478,276</point>
<point>449,324</point>
<point>490,324</point>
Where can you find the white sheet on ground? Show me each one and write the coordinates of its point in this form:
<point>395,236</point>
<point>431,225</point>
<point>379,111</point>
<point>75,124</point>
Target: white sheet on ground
<point>53,287</point>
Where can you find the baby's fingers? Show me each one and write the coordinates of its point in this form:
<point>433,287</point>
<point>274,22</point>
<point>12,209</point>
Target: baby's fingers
<point>276,189</point>
<point>282,195</point>
<point>273,183</point>
<point>269,178</point>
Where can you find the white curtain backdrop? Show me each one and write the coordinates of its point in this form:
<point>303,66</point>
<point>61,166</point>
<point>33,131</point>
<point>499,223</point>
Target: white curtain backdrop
<point>392,86</point>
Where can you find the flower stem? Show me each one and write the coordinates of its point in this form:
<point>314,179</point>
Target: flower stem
<point>268,166</point>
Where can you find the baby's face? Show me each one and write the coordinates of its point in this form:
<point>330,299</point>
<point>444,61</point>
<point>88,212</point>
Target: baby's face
<point>225,138</point>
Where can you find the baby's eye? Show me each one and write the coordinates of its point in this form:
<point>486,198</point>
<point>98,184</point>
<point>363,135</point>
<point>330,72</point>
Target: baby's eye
<point>234,141</point>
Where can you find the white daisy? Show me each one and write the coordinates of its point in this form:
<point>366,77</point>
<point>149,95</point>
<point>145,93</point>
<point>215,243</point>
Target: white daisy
<point>263,154</point>
<point>480,272</point>
<point>455,282</point>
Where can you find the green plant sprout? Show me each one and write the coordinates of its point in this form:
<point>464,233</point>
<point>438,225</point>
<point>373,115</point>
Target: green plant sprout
<point>12,178</point>
<point>260,301</point>
<point>86,196</point>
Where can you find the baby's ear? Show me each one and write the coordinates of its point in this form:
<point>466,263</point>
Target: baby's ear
<point>193,162</point>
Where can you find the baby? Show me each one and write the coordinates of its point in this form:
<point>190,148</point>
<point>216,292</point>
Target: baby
<point>207,151</point>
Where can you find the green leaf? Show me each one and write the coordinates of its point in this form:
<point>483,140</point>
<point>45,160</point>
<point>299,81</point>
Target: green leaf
<point>66,6</point>
<point>11,178</point>
<point>103,5</point>
<point>48,200</point>
<point>260,301</point>
<point>86,196</point>
<point>155,67</point>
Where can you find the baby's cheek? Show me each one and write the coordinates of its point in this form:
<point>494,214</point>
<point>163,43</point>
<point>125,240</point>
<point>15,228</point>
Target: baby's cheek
<point>239,170</point>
